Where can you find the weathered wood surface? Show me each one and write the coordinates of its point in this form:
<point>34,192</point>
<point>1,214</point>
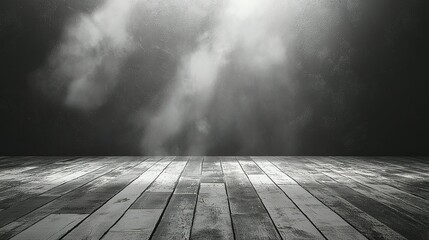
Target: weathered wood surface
<point>214,197</point>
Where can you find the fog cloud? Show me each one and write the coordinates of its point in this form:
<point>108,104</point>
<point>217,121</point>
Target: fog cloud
<point>249,27</point>
<point>199,76</point>
<point>83,69</point>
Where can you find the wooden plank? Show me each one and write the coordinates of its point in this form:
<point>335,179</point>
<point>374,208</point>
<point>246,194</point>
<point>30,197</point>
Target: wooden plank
<point>383,198</point>
<point>211,164</point>
<point>407,227</point>
<point>176,222</point>
<point>90,197</point>
<point>150,204</point>
<point>99,222</point>
<point>249,217</point>
<point>187,185</point>
<point>34,165</point>
<point>177,219</point>
<point>275,174</point>
<point>328,222</point>
<point>82,200</point>
<point>45,182</point>
<point>371,180</point>
<point>135,224</point>
<point>166,182</point>
<point>309,176</point>
<point>378,195</point>
<point>289,220</point>
<point>107,167</point>
<point>411,165</point>
<point>242,197</point>
<point>190,179</point>
<point>212,216</point>
<point>152,200</point>
<point>26,161</point>
<point>370,176</point>
<point>24,207</point>
<point>421,159</point>
<point>409,177</point>
<point>51,228</point>
<point>29,171</point>
<point>19,161</point>
<point>5,173</point>
<point>366,224</point>
<point>212,170</point>
<point>395,176</point>
<point>194,167</point>
<point>249,166</point>
<point>21,208</point>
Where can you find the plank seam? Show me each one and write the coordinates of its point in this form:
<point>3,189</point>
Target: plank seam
<point>112,196</point>
<point>259,197</point>
<point>59,197</point>
<point>227,197</point>
<point>303,213</point>
<point>54,198</point>
<point>196,200</point>
<point>394,207</point>
<point>136,198</point>
<point>168,201</point>
<point>321,202</point>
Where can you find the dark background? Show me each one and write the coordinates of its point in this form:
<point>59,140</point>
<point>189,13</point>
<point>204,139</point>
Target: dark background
<point>376,104</point>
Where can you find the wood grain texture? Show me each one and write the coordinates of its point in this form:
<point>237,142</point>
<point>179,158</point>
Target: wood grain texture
<point>99,222</point>
<point>81,200</point>
<point>177,219</point>
<point>310,176</point>
<point>51,228</point>
<point>149,205</point>
<point>249,216</point>
<point>135,224</point>
<point>212,197</point>
<point>288,218</point>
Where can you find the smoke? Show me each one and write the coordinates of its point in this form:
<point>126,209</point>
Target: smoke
<point>83,70</point>
<point>202,77</point>
<point>247,27</point>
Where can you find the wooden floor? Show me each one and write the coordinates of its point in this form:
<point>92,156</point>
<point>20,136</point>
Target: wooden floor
<point>214,198</point>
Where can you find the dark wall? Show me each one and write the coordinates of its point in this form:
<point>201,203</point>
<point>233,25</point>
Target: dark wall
<point>369,97</point>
